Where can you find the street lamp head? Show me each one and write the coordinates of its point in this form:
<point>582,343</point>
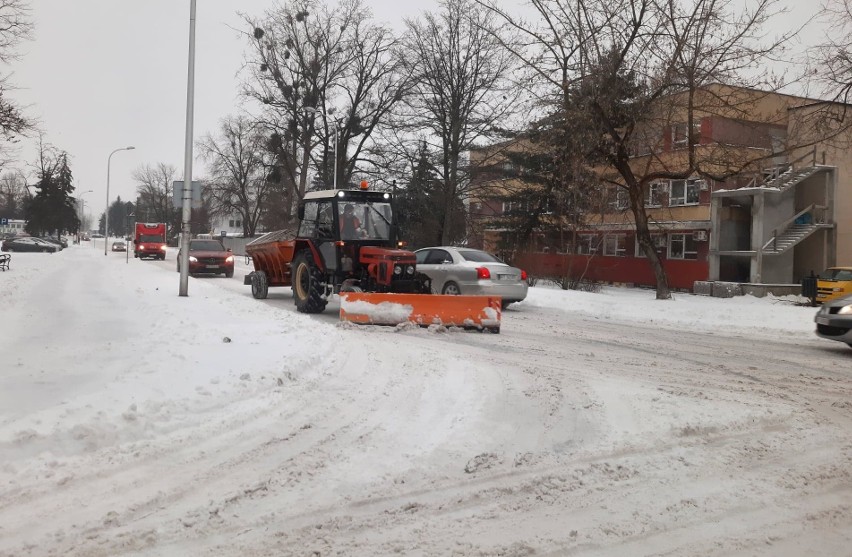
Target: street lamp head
<point>129,148</point>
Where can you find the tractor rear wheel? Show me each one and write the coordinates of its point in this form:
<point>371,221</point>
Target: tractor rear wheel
<point>307,284</point>
<point>259,285</point>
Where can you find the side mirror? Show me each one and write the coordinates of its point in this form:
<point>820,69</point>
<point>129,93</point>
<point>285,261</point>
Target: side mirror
<point>230,250</point>
<point>135,242</point>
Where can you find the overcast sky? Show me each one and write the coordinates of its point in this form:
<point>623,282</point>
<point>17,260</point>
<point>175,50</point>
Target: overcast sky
<point>104,74</point>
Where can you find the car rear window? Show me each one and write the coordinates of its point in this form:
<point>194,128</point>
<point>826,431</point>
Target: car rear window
<point>478,256</point>
<point>206,245</point>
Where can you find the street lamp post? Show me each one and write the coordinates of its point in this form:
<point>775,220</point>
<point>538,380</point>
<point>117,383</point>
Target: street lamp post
<point>106,213</point>
<point>82,211</point>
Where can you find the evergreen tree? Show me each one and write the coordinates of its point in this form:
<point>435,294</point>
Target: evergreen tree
<point>53,209</point>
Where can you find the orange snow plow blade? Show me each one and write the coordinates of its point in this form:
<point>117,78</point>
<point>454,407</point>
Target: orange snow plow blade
<point>470,312</point>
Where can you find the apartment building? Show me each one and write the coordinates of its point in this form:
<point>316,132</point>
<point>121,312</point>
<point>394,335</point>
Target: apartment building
<point>780,204</point>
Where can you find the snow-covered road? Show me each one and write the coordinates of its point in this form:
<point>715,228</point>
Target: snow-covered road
<point>135,422</point>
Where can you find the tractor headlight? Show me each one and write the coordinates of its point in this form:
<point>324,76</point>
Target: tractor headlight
<point>409,270</point>
<point>397,270</point>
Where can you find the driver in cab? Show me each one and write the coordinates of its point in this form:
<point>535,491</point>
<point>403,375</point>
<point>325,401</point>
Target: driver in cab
<point>350,225</point>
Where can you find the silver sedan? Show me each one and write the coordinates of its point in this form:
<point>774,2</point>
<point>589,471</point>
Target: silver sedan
<point>471,272</point>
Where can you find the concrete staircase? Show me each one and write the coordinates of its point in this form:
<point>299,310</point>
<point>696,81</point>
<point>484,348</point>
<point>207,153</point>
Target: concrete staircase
<point>791,236</point>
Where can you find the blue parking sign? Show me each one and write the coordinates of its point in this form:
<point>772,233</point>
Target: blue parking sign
<point>4,222</point>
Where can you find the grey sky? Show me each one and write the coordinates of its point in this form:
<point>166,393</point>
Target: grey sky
<point>104,74</point>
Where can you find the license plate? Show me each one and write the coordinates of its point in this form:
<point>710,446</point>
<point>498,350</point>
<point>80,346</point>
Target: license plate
<point>212,266</point>
<point>505,277</point>
<point>822,320</point>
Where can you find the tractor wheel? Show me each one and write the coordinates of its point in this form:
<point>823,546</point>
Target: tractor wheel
<point>259,285</point>
<point>451,289</point>
<point>307,284</point>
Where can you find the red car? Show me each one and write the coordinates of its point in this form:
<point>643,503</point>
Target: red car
<point>209,257</point>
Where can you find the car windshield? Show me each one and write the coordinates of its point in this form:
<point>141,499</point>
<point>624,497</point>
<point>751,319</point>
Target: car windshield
<point>478,256</point>
<point>372,220</point>
<point>836,274</point>
<point>206,245</point>
<point>150,238</point>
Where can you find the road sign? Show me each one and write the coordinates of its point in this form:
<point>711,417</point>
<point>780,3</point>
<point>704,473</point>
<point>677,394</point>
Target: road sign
<point>4,222</point>
<point>177,194</point>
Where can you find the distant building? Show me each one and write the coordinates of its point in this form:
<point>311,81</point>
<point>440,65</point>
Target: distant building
<point>12,226</point>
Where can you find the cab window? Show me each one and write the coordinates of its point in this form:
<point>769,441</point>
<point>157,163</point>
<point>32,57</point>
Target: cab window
<point>308,227</point>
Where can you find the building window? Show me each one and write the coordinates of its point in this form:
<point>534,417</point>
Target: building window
<point>231,223</point>
<point>654,195</point>
<point>614,245</point>
<point>622,200</point>
<point>681,136</point>
<point>587,244</point>
<point>685,192</point>
<point>682,246</point>
<point>659,241</point>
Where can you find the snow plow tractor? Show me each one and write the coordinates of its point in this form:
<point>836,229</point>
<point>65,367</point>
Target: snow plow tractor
<point>347,244</point>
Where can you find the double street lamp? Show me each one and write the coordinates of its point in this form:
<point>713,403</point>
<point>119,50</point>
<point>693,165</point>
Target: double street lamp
<point>106,213</point>
<point>312,110</point>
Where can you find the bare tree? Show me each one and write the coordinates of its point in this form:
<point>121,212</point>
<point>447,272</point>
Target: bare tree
<point>154,190</point>
<point>623,72</point>
<point>238,164</point>
<point>15,26</point>
<point>322,74</point>
<point>13,193</point>
<point>460,91</point>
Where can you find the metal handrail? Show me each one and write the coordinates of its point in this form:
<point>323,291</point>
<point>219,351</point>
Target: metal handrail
<point>790,166</point>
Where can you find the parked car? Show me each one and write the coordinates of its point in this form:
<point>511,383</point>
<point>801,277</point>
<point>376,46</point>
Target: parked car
<point>29,243</point>
<point>56,242</point>
<point>209,256</point>
<point>834,320</point>
<point>119,246</point>
<point>471,272</point>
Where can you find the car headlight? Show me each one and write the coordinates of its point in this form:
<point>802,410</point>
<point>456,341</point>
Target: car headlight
<point>845,310</point>
<point>163,248</point>
<point>397,270</point>
<point>409,270</point>
<point>193,259</point>
<point>229,259</point>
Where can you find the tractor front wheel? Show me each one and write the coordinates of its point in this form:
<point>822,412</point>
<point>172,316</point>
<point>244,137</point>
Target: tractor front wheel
<point>307,284</point>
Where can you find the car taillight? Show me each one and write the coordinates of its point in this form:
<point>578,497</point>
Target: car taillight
<point>483,273</point>
<point>523,275</point>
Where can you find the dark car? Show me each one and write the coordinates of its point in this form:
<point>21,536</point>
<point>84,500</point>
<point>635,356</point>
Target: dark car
<point>209,257</point>
<point>834,320</point>
<point>62,243</point>
<point>30,244</point>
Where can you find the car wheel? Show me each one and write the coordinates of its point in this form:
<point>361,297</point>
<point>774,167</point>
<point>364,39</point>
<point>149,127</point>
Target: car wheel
<point>259,285</point>
<point>504,304</point>
<point>451,289</point>
<point>229,274</point>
